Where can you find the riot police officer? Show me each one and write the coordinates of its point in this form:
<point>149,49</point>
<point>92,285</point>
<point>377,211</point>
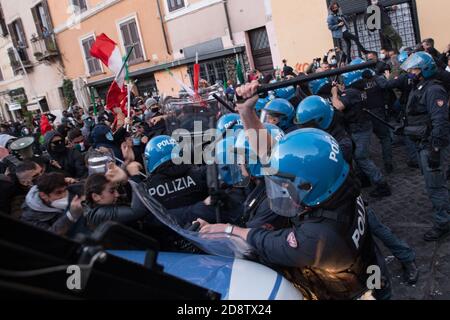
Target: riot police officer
<point>327,249</point>
<point>279,112</point>
<point>172,185</point>
<point>352,102</point>
<point>427,124</point>
<point>316,112</point>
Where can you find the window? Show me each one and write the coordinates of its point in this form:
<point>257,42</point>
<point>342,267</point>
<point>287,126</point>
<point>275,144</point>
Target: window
<point>175,5</point>
<point>212,71</point>
<point>80,4</point>
<point>131,39</point>
<point>42,19</point>
<point>93,64</point>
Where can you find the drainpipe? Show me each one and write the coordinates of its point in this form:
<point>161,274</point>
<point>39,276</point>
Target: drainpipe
<point>163,28</point>
<point>227,15</point>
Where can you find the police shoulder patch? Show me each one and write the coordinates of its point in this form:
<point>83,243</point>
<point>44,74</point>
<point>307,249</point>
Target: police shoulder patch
<point>292,240</point>
<point>440,103</point>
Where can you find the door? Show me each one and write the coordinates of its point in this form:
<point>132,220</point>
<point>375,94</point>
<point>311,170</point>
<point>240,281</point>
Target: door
<point>262,55</point>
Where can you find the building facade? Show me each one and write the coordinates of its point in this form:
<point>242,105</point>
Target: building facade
<point>219,32</point>
<point>302,32</point>
<point>130,23</point>
<point>33,73</point>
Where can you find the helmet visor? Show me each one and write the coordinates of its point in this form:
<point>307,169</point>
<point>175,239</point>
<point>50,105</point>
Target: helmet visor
<point>283,195</point>
<point>231,174</point>
<point>413,62</point>
<point>270,117</point>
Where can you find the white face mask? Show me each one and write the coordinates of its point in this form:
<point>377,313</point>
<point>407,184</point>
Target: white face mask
<point>374,2</point>
<point>382,56</point>
<point>61,203</point>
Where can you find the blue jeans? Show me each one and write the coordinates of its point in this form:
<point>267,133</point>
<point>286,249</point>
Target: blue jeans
<point>411,150</point>
<point>383,133</point>
<point>437,188</point>
<point>398,247</point>
<point>362,157</point>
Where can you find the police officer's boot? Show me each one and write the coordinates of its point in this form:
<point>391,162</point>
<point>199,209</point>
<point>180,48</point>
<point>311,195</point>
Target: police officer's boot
<point>410,272</point>
<point>437,234</point>
<point>382,190</point>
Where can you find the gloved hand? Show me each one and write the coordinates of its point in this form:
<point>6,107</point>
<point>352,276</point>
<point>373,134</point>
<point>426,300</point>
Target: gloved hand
<point>434,159</point>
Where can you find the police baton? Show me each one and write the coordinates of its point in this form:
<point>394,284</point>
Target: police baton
<point>265,88</point>
<point>384,122</point>
<point>224,103</point>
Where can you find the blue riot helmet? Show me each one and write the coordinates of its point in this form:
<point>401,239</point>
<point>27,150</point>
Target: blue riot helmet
<point>402,57</point>
<point>160,150</point>
<point>352,77</point>
<point>226,121</point>
<point>260,104</point>
<point>423,61</point>
<point>279,112</point>
<point>316,85</point>
<point>316,111</point>
<point>307,169</point>
<point>285,93</point>
<point>227,162</point>
<point>248,156</point>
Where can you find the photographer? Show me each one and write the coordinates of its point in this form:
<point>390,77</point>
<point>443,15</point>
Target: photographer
<point>339,28</point>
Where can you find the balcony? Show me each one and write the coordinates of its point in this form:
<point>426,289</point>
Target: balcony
<point>16,64</point>
<point>44,47</point>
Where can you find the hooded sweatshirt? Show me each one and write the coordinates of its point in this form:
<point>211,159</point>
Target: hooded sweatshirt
<point>39,214</point>
<point>71,160</point>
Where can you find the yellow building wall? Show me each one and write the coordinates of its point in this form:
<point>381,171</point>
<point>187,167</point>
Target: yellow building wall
<point>167,85</point>
<point>433,21</point>
<point>301,30</point>
<point>106,21</point>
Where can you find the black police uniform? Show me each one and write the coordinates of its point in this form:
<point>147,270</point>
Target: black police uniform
<point>176,186</point>
<point>356,120</point>
<point>427,125</point>
<point>326,253</point>
<point>338,132</point>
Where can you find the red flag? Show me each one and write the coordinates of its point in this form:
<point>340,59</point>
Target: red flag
<point>45,125</point>
<point>109,53</point>
<point>196,77</point>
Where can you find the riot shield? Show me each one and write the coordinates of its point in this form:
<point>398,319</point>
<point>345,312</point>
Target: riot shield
<point>214,244</point>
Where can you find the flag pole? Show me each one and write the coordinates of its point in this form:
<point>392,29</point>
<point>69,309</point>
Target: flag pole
<point>125,61</point>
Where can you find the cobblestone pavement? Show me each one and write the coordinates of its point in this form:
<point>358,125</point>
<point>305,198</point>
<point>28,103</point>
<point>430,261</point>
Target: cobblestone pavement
<point>408,213</point>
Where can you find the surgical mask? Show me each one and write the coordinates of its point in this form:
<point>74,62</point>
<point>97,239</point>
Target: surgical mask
<point>374,2</point>
<point>382,56</point>
<point>333,62</point>
<point>61,204</point>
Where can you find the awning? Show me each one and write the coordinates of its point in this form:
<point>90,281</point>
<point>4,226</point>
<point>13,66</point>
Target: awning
<point>33,105</point>
<point>173,64</point>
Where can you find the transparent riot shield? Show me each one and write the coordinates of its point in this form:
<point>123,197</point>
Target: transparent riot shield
<point>214,244</point>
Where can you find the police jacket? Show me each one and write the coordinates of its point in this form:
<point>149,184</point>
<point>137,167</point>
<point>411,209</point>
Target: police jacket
<point>326,253</point>
<point>176,186</point>
<point>402,83</point>
<point>428,115</point>
<point>356,120</point>
<point>257,212</point>
<point>376,96</point>
<point>338,132</point>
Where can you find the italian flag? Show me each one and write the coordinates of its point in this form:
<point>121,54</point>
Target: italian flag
<point>109,53</point>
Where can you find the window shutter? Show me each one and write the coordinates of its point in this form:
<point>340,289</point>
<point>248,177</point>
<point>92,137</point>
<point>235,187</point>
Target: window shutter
<point>22,32</point>
<point>37,22</point>
<point>47,14</point>
<point>136,40</point>
<point>4,28</point>
<point>13,34</point>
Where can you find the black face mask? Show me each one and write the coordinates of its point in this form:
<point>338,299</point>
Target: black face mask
<point>58,147</point>
<point>155,110</point>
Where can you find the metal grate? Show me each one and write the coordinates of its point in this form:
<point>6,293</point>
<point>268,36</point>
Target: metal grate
<point>259,39</point>
<point>402,21</point>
